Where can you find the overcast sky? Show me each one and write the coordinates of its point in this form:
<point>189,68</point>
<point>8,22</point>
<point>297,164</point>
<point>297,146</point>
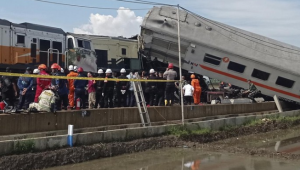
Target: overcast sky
<point>277,19</point>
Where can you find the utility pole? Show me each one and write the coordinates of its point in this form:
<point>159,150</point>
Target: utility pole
<point>180,72</point>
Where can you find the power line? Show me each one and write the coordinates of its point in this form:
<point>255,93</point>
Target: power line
<point>224,27</point>
<point>144,2</point>
<point>82,6</point>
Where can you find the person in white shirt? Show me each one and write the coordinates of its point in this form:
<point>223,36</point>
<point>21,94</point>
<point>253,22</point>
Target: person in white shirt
<point>188,92</point>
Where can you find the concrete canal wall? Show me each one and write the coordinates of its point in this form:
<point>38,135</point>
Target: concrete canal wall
<point>45,122</point>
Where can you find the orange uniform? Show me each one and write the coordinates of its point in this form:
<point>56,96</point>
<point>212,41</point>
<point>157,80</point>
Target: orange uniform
<point>71,87</point>
<point>196,165</point>
<point>197,89</point>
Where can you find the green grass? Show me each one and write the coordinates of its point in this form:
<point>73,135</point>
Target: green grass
<point>24,146</point>
<point>182,130</point>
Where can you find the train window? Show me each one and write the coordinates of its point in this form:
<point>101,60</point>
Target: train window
<point>70,43</point>
<point>57,45</point>
<point>212,59</point>
<point>260,74</point>
<point>34,40</point>
<point>80,43</point>
<point>285,82</point>
<point>236,67</point>
<point>20,39</point>
<point>123,51</point>
<point>87,45</point>
<point>44,45</point>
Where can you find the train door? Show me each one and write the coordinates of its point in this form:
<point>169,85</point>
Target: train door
<point>33,49</point>
<point>44,47</point>
<point>57,52</point>
<point>101,58</point>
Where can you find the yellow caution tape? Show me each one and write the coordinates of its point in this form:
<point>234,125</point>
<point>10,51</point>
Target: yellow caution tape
<point>81,78</point>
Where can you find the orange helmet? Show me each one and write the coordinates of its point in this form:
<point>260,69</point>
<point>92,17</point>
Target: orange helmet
<point>42,66</point>
<point>193,76</point>
<point>55,66</point>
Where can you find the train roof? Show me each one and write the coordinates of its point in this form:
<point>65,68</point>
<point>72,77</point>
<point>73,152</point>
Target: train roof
<point>33,26</point>
<point>4,22</point>
<point>40,27</point>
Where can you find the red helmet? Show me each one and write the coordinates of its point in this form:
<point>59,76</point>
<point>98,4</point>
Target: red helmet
<point>170,65</point>
<point>42,66</point>
<point>55,66</point>
<point>80,70</point>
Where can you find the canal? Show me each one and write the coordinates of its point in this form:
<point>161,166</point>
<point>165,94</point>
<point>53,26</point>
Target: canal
<point>183,159</point>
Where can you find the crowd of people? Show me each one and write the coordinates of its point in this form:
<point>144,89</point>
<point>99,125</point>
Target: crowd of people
<point>96,93</point>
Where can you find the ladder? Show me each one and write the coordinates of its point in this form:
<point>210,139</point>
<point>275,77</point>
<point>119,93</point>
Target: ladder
<point>140,101</point>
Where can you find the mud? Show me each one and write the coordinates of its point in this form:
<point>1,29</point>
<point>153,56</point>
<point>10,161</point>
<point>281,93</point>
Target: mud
<point>210,142</point>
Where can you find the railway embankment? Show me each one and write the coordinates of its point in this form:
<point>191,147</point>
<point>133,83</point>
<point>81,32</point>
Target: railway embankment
<point>28,153</point>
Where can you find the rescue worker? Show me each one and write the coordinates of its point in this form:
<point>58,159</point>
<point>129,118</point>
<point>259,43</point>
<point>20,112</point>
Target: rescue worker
<point>130,94</point>
<point>197,89</point>
<point>34,84</point>
<point>60,86</point>
<point>122,87</point>
<point>71,85</point>
<point>99,89</point>
<point>151,87</point>
<point>9,90</point>
<point>42,83</point>
<point>26,92</point>
<point>161,86</point>
<point>252,91</point>
<point>79,86</point>
<point>108,90</point>
<point>169,74</point>
<point>115,96</point>
<point>46,102</point>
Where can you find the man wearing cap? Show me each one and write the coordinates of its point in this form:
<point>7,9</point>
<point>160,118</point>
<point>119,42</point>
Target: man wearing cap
<point>169,74</point>
<point>151,87</point>
<point>108,90</point>
<point>99,88</point>
<point>122,88</point>
<point>42,82</point>
<point>26,91</point>
<point>80,88</point>
<point>9,89</point>
<point>130,94</point>
<point>71,85</point>
<point>60,86</point>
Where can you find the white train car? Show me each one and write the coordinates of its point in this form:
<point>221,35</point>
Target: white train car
<point>27,44</point>
<point>223,52</point>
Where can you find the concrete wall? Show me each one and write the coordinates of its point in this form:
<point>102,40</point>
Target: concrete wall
<point>44,122</point>
<point>54,142</point>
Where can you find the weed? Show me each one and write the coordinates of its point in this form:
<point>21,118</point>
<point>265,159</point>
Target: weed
<point>24,146</point>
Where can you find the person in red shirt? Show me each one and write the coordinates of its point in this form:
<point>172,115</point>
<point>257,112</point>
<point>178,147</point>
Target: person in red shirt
<point>42,83</point>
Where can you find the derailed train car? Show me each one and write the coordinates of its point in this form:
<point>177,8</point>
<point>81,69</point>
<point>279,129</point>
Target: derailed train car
<point>27,44</point>
<point>223,52</point>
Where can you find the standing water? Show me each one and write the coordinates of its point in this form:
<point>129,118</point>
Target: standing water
<point>182,159</point>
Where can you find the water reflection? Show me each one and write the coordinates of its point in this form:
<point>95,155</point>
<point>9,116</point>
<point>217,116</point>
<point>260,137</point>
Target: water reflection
<point>181,159</point>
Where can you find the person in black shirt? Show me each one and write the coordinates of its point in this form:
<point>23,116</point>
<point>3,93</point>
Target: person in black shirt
<point>122,88</point>
<point>9,89</point>
<point>160,90</point>
<point>99,89</point>
<point>151,87</point>
<point>108,90</point>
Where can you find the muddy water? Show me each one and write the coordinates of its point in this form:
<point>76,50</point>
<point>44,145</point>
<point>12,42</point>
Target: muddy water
<point>182,159</point>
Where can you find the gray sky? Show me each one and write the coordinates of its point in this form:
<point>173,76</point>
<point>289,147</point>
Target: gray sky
<point>277,19</point>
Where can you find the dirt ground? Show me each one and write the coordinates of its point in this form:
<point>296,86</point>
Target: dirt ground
<point>245,140</point>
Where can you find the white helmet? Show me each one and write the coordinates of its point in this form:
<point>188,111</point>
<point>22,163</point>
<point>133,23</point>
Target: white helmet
<point>71,67</point>
<point>36,71</point>
<point>100,71</point>
<point>108,70</point>
<point>75,68</point>
<point>152,71</point>
<point>123,70</point>
<point>62,70</point>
